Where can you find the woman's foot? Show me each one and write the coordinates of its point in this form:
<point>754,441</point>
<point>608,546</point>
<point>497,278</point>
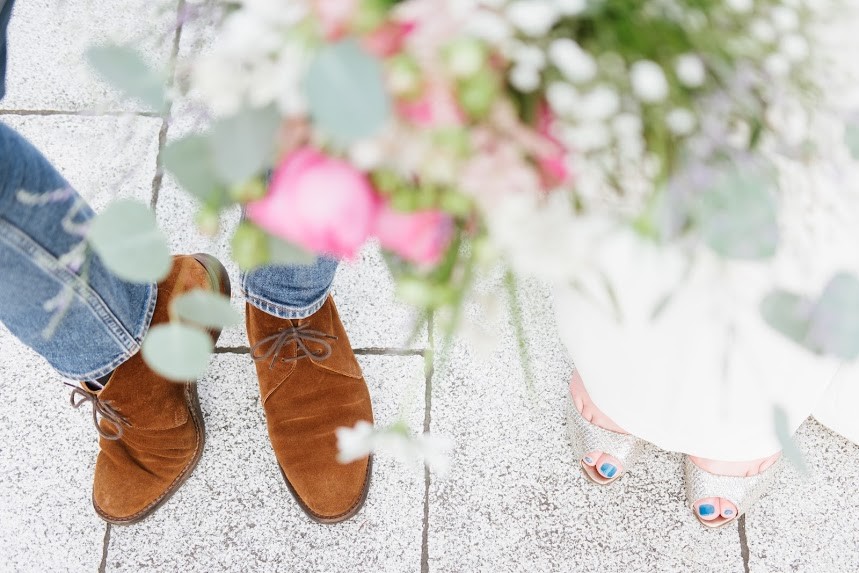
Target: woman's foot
<point>600,466</point>
<point>717,511</point>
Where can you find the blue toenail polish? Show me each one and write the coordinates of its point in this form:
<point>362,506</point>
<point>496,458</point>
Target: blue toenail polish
<point>588,460</point>
<point>729,512</point>
<point>608,470</point>
<point>706,509</point>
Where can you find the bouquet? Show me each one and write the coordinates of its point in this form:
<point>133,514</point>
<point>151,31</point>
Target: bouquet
<point>467,134</point>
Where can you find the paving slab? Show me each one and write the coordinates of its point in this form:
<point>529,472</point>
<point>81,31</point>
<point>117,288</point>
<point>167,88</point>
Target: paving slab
<point>235,513</point>
<point>515,499</point>
<point>47,459</point>
<point>102,157</point>
<point>47,39</point>
<point>809,523</point>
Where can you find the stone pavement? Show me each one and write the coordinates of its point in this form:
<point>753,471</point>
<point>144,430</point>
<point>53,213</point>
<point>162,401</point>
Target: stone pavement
<point>514,500</point>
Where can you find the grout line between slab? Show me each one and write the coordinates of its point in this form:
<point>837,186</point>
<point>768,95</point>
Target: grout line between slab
<point>103,565</point>
<point>429,369</point>
<point>744,542</point>
<point>370,351</point>
<point>80,113</point>
<point>165,118</point>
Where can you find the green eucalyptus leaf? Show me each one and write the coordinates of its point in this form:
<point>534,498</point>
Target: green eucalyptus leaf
<point>124,68</point>
<point>346,93</point>
<point>206,308</point>
<point>189,160</point>
<point>284,253</point>
<point>738,216</point>
<point>788,313</point>
<point>243,145</point>
<point>127,239</point>
<point>177,351</point>
<point>835,320</point>
<point>790,449</point>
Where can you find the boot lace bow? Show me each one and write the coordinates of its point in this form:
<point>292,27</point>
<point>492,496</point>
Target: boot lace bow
<point>100,409</point>
<point>270,347</point>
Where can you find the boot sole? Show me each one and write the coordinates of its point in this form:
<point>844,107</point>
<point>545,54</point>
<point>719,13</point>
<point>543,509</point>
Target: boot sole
<point>220,280</point>
<point>328,520</point>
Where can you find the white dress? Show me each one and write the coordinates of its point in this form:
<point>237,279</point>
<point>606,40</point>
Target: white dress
<point>705,374</point>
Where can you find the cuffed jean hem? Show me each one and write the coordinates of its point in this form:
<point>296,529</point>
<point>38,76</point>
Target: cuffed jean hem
<point>123,357</point>
<point>286,312</point>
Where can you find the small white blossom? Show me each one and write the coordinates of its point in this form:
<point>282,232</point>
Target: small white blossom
<point>588,136</point>
<point>794,47</point>
<point>574,63</point>
<point>741,6</point>
<point>490,27</point>
<point>599,104</point>
<point>762,31</point>
<point>533,17</point>
<point>571,7</point>
<point>777,65</point>
<point>355,443</point>
<point>648,81</point>
<point>363,440</point>
<point>562,97</point>
<point>784,19</point>
<point>690,70</point>
<point>680,121</point>
<point>366,154</point>
<point>528,55</point>
<point>525,78</point>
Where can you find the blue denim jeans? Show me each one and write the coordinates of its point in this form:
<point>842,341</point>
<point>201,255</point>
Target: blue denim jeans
<point>70,309</point>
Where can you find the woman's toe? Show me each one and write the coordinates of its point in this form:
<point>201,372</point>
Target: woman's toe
<point>729,510</point>
<point>708,509</point>
<point>608,466</point>
<point>590,458</point>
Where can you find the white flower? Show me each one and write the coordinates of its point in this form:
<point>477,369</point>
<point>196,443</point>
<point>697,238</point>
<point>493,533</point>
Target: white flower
<point>490,27</point>
<point>794,47</point>
<point>574,63</point>
<point>362,440</point>
<point>741,6</point>
<point>587,136</point>
<point>533,17</point>
<point>562,97</point>
<point>784,18</point>
<point>525,78</point>
<point>435,451</point>
<point>762,31</point>
<point>777,65</point>
<point>648,81</point>
<point>571,7</point>
<point>366,154</point>
<point>528,55</point>
<point>690,70</point>
<point>599,104</point>
<point>355,443</point>
<point>681,121</point>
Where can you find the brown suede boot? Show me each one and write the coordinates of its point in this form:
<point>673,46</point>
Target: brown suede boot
<point>151,428</point>
<point>310,385</point>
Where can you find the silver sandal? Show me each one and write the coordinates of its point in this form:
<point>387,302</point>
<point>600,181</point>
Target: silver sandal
<point>586,437</point>
<point>743,492</point>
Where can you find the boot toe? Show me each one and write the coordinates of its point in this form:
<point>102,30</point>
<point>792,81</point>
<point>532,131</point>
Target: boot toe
<point>332,492</point>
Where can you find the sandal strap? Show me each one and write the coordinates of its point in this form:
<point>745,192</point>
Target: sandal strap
<point>587,437</point>
<point>741,491</point>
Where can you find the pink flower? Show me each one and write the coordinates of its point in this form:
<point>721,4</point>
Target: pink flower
<point>388,39</point>
<point>437,107</point>
<point>322,204</point>
<point>553,161</point>
<point>421,237</point>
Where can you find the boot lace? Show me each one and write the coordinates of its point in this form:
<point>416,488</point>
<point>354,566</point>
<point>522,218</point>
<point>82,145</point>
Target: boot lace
<point>101,409</point>
<point>268,348</point>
